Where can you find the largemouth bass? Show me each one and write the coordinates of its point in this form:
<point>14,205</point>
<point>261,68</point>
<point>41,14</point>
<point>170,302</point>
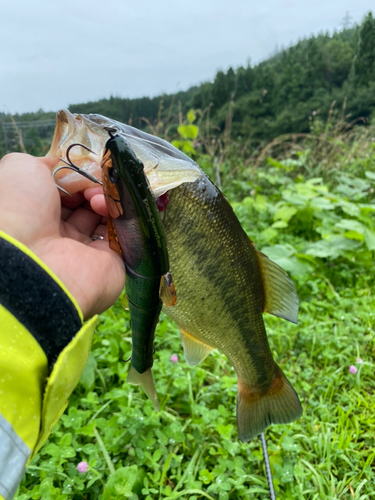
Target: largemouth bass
<point>223,284</point>
<point>165,166</point>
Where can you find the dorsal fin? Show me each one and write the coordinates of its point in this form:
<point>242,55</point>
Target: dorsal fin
<point>281,297</point>
<point>195,350</point>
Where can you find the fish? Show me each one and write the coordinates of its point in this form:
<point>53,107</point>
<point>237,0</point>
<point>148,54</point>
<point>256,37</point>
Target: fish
<point>222,282</point>
<point>223,286</point>
<point>136,232</point>
<point>164,165</point>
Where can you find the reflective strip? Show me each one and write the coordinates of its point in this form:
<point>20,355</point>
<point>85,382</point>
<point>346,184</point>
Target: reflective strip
<point>63,379</point>
<point>13,457</point>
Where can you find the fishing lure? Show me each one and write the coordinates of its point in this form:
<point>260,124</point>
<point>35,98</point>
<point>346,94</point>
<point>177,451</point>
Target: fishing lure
<point>135,230</point>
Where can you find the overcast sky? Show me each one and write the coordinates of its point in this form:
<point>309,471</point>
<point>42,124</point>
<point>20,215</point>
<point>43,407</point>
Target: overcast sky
<point>56,53</point>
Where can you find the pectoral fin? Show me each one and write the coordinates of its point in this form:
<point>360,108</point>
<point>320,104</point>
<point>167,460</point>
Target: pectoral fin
<point>281,298</point>
<point>146,381</point>
<point>167,290</point>
<point>195,350</point>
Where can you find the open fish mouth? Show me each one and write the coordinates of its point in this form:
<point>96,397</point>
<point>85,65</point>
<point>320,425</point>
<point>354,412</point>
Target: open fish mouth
<point>165,166</point>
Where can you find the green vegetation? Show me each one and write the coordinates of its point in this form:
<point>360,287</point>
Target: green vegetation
<point>310,207</point>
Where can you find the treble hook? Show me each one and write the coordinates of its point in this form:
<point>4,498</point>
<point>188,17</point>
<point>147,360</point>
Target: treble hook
<point>61,189</point>
<point>70,165</point>
<point>153,349</point>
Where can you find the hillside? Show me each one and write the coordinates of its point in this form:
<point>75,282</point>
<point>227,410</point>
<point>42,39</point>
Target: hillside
<point>280,95</point>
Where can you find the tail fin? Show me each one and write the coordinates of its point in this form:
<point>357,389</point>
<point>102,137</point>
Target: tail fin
<point>146,381</point>
<point>255,412</point>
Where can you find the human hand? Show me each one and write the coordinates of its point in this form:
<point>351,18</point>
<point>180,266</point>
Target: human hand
<point>58,230</point>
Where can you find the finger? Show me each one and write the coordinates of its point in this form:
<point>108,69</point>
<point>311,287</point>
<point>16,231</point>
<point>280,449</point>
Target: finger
<point>65,213</point>
<point>93,273</point>
<point>110,275</point>
<point>101,230</point>
<point>96,197</point>
<point>90,192</point>
<point>29,198</point>
<point>25,158</point>
<point>68,231</point>
<point>73,201</point>
<point>49,161</point>
<point>85,221</point>
<point>98,204</point>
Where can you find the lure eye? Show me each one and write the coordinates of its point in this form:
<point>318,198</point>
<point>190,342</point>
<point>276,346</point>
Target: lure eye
<point>113,174</point>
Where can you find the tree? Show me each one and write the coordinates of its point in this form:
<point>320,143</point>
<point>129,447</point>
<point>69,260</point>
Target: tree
<point>244,80</point>
<point>364,64</point>
<point>338,59</point>
<point>231,82</point>
<point>219,90</point>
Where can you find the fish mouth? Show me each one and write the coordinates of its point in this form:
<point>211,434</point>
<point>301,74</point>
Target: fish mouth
<point>75,129</point>
<point>165,166</point>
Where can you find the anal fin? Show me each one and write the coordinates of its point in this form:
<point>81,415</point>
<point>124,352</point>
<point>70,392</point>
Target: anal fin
<point>195,350</point>
<point>167,291</point>
<point>256,411</point>
<point>146,381</point>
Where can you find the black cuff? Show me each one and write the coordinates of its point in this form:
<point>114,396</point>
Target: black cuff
<point>39,303</point>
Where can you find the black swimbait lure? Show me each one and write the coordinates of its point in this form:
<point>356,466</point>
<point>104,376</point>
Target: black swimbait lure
<point>135,229</point>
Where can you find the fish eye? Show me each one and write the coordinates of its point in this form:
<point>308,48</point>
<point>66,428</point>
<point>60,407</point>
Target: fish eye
<point>113,174</point>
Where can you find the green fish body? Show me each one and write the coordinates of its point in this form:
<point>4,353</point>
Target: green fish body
<point>223,285</point>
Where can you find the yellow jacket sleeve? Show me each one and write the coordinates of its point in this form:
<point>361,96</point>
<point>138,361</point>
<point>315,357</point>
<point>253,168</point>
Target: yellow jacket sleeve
<point>43,351</point>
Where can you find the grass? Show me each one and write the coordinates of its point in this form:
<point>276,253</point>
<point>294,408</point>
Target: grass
<point>190,450</point>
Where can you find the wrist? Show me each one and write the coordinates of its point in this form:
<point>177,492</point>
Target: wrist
<point>39,301</point>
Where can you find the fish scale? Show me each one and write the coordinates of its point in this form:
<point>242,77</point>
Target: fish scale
<point>225,286</point>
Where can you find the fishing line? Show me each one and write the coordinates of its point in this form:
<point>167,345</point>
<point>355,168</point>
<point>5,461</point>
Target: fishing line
<point>268,467</point>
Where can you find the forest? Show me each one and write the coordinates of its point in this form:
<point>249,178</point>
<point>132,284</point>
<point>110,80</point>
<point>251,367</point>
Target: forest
<point>319,75</point>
